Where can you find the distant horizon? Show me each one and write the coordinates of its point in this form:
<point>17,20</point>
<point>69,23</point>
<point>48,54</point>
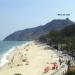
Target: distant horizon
<point>21,14</point>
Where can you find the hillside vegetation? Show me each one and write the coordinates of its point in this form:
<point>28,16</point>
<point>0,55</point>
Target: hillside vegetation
<point>62,40</point>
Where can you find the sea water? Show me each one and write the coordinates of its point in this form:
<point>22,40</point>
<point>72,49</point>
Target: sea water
<point>6,47</point>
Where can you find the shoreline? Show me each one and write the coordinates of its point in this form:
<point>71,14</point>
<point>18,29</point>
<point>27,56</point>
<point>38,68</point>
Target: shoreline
<point>30,57</point>
<point>4,57</point>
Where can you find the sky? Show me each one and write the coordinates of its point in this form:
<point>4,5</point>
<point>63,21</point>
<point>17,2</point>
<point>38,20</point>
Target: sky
<point>21,14</point>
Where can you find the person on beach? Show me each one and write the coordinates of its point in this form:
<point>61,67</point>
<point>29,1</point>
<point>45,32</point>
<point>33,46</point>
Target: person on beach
<point>55,65</point>
<point>46,69</point>
<point>60,61</point>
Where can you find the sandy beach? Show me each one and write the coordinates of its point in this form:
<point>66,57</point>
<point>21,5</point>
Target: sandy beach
<point>31,59</point>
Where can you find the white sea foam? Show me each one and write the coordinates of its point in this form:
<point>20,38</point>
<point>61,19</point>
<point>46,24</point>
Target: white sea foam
<point>4,60</point>
<point>3,57</point>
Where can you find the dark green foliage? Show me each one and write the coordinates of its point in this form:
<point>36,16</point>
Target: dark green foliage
<point>55,36</point>
<point>68,31</point>
<point>42,38</point>
<point>64,38</point>
<point>70,73</point>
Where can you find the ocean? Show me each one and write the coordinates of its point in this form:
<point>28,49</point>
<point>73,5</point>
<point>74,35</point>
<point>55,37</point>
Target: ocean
<point>6,47</point>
